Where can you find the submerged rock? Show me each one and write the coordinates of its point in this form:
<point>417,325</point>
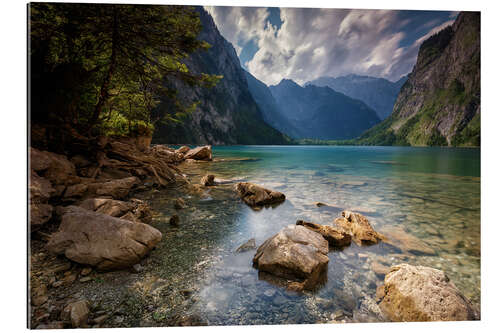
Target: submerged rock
<point>418,293</point>
<point>200,153</point>
<point>179,203</point>
<point>397,237</point>
<point>102,241</point>
<point>295,253</point>
<point>335,237</point>
<point>359,227</point>
<point>247,246</point>
<point>255,195</point>
<point>174,220</point>
<point>379,269</point>
<point>208,180</point>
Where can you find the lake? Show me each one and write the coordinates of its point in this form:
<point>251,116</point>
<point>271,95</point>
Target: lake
<point>429,195</point>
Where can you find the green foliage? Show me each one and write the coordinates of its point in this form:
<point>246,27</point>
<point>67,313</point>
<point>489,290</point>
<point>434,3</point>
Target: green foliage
<point>471,134</point>
<point>379,135</point>
<point>99,65</point>
<point>116,124</point>
<point>421,129</point>
<point>319,142</point>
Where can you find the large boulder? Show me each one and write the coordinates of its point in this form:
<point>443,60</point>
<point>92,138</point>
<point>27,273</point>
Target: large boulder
<point>39,214</point>
<point>166,154</point>
<point>39,160</point>
<point>40,188</point>
<point>101,240</point>
<point>398,237</point>
<point>117,189</point>
<point>199,153</point>
<point>295,253</point>
<point>56,168</point>
<point>417,293</point>
<point>255,195</point>
<point>134,210</point>
<point>335,237</point>
<point>76,191</point>
<point>359,227</point>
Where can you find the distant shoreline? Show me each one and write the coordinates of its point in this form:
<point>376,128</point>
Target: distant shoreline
<point>309,144</point>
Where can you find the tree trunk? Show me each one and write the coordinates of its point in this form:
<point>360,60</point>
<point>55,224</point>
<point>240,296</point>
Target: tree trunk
<point>104,93</point>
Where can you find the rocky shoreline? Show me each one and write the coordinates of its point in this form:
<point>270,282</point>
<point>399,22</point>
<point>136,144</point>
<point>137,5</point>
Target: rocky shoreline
<point>85,217</point>
<point>87,224</point>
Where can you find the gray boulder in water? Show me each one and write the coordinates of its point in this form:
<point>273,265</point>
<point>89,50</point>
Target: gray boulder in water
<point>255,195</point>
<point>295,253</point>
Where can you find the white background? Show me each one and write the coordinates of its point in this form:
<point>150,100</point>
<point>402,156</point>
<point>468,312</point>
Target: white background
<point>13,173</point>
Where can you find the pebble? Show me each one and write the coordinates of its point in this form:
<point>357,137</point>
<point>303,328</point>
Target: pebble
<point>57,284</point>
<point>86,271</point>
<point>339,314</point>
<point>137,268</point>
<point>70,278</point>
<point>61,267</point>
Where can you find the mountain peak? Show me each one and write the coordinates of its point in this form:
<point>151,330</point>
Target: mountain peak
<point>287,83</point>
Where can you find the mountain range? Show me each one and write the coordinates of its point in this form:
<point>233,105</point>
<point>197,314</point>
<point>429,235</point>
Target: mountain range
<point>378,93</point>
<point>438,103</point>
<point>240,109</point>
<point>321,112</point>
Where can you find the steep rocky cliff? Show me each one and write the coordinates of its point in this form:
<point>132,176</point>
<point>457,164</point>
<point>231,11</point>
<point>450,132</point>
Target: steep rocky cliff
<point>378,93</point>
<point>270,109</point>
<point>227,113</point>
<point>322,113</point>
<point>440,102</point>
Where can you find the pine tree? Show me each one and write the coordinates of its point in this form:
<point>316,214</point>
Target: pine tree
<point>95,64</point>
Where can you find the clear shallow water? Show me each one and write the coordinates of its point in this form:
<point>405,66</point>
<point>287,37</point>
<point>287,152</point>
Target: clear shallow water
<point>429,193</point>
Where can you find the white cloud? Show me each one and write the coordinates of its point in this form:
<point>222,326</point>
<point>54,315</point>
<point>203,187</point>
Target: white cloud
<point>239,24</point>
<point>316,42</point>
<point>432,32</point>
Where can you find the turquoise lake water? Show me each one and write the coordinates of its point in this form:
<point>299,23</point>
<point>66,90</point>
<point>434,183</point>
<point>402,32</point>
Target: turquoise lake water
<point>429,195</point>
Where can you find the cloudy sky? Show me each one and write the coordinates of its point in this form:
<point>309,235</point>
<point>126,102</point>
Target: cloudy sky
<point>304,43</point>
